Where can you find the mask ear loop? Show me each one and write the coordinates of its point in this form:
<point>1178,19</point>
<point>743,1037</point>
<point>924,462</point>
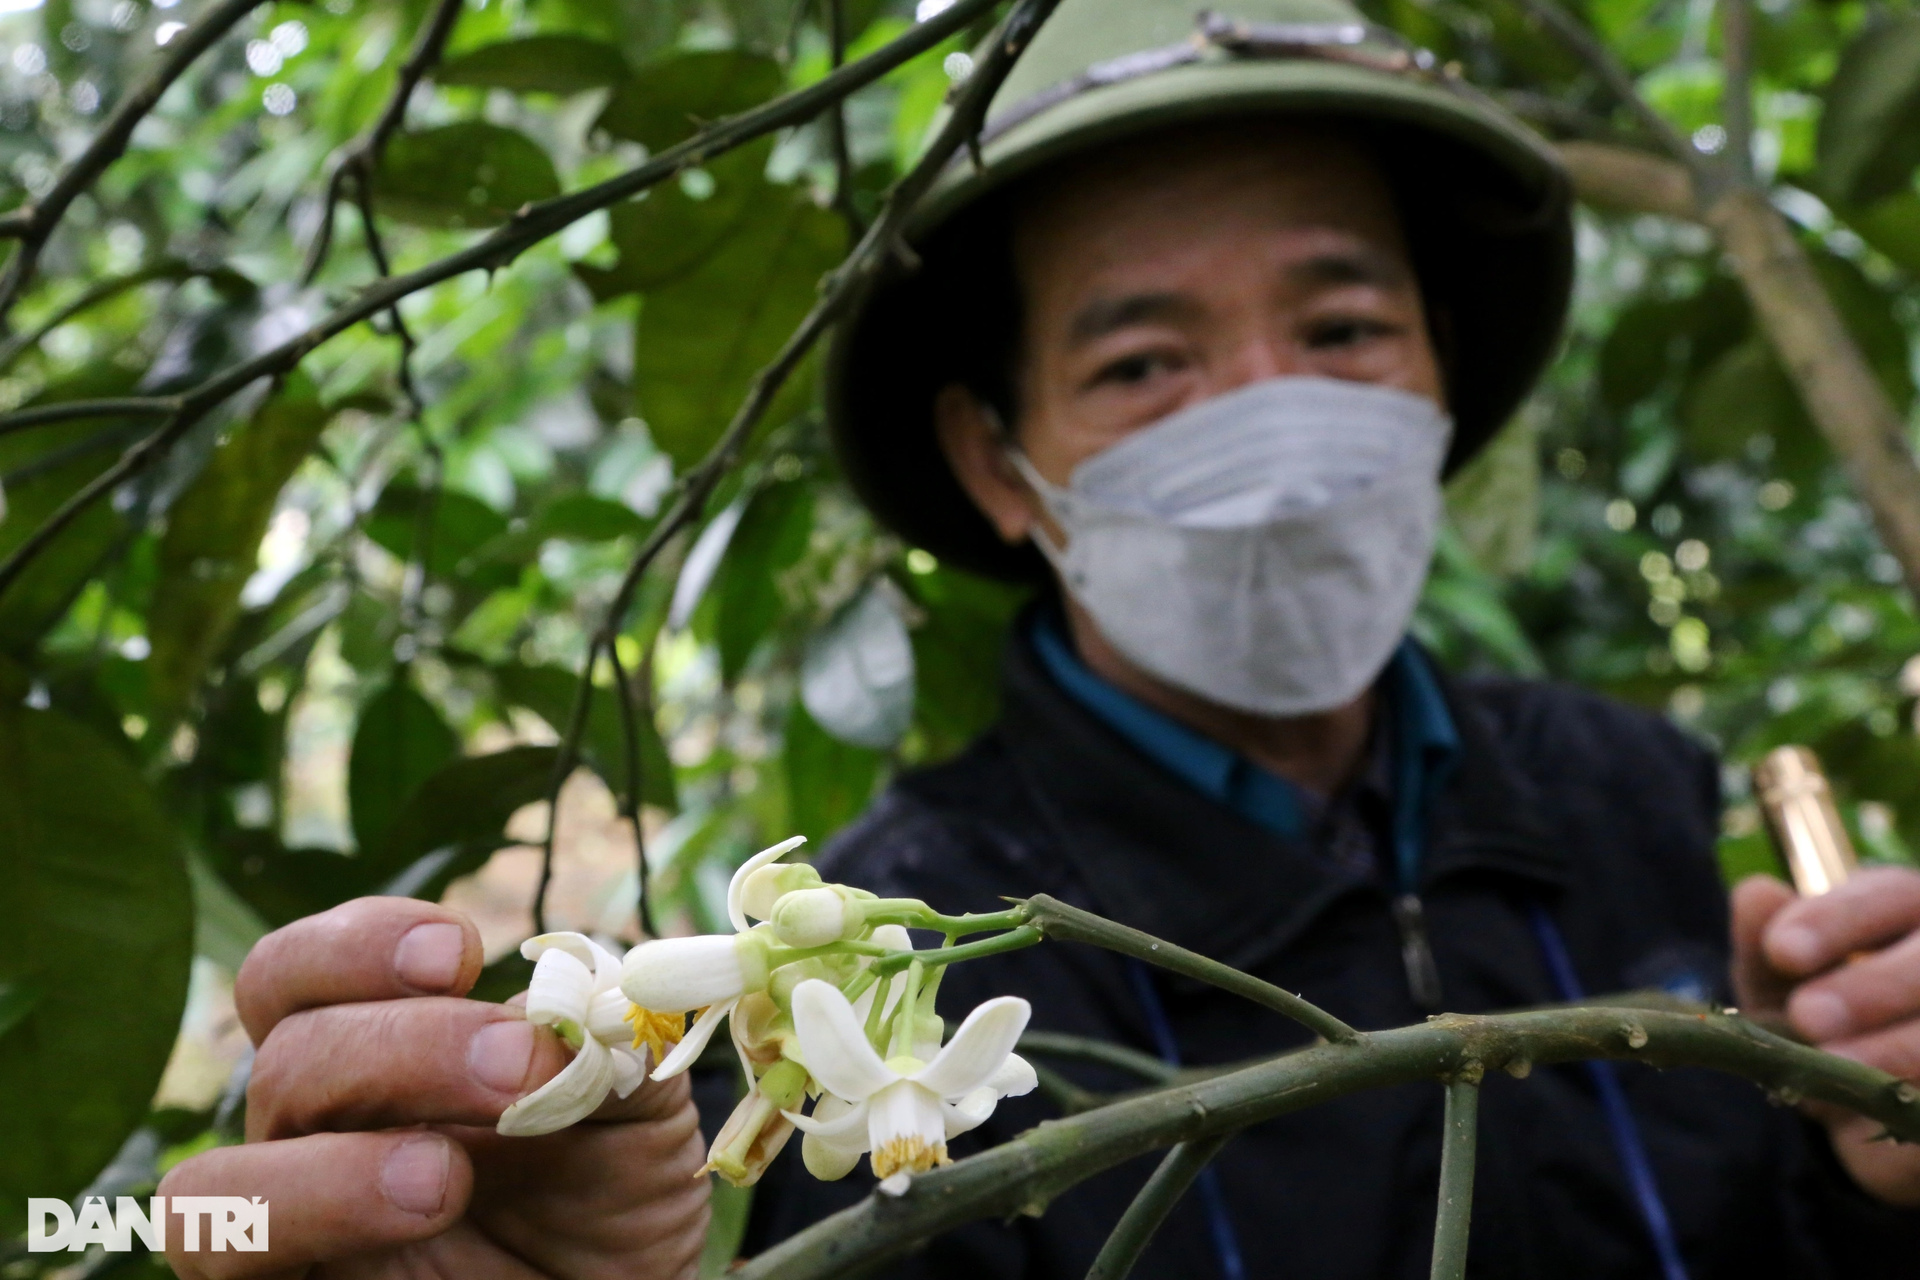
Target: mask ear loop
<point>1054,500</point>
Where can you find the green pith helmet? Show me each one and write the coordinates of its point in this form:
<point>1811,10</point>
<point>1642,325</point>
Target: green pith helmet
<point>1485,205</point>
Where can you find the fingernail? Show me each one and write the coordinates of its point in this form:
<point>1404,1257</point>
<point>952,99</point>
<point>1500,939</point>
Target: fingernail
<point>500,1054</point>
<point>429,955</point>
<point>1797,945</point>
<point>414,1177</point>
<point>1821,1015</point>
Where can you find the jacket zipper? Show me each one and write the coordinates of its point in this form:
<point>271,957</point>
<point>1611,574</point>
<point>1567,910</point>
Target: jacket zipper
<point>1416,952</point>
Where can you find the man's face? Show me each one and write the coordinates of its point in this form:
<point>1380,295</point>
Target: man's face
<point>1158,274</point>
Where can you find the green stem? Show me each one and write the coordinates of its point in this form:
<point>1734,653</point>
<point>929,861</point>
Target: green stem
<point>1150,1208</point>
<point>1054,1045</point>
<point>1459,1137</point>
<point>1070,924</point>
<point>1012,940</point>
<point>1023,1175</point>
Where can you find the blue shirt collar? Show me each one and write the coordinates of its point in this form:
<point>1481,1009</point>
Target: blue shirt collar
<point>1425,745</point>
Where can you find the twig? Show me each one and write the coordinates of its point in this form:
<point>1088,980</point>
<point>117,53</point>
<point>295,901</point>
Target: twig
<point>1055,1045</point>
<point>173,269</point>
<point>1022,1175</point>
<point>68,410</point>
<point>1135,1230</point>
<point>630,797</point>
<point>34,222</point>
<point>1736,69</point>
<point>1460,1137</point>
<point>527,227</point>
<point>1058,920</point>
<point>358,160</point>
<point>868,258</point>
<point>1600,60</point>
<point>837,124</point>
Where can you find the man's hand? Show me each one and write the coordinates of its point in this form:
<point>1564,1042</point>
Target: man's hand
<point>370,1123</point>
<point>1843,971</point>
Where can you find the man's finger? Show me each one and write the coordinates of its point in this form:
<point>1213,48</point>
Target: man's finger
<point>1757,900</point>
<point>328,1196</point>
<point>367,949</point>
<point>1875,991</point>
<point>1872,909</point>
<point>397,1062</point>
<point>1895,1050</point>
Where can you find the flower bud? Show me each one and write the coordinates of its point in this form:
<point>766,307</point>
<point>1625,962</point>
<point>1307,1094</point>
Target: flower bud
<point>676,975</point>
<point>815,917</point>
<point>761,890</point>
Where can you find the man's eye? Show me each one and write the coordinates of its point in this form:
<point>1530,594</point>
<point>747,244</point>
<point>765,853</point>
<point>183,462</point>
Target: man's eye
<point>1345,333</point>
<point>1130,370</point>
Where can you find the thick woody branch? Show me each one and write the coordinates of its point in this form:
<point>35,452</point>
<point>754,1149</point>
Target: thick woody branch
<point>33,223</point>
<point>528,227</point>
<point>1023,1176</point>
<point>1805,329</point>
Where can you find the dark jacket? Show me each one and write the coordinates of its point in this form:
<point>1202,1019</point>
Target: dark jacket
<point>1605,815</point>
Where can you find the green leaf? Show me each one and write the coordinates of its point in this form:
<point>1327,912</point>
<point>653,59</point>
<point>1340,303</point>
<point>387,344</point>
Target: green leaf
<point>579,517</point>
<point>770,539</point>
<point>552,63</point>
<point>97,915</point>
<point>700,339</point>
<point>1494,501</point>
<point>225,925</point>
<point>1893,227</point>
<point>669,231</point>
<point>1747,394</point>
<point>461,524</point>
<point>462,808</point>
<point>957,652</point>
<point>669,100</point>
<point>549,692</point>
<point>829,782</point>
<point>1869,140</point>
<point>212,542</point>
<point>399,743</point>
<point>470,174</point>
<point>44,467</point>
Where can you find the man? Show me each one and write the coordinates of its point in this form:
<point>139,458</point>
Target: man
<point>1205,330</point>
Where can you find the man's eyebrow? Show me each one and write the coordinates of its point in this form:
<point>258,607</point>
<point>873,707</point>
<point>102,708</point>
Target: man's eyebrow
<point>1103,316</point>
<point>1352,266</point>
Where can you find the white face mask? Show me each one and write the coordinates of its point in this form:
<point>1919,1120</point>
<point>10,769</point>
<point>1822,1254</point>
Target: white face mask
<point>1263,549</point>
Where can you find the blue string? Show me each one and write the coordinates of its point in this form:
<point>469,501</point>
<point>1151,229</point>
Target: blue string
<point>1225,1243</point>
<point>1613,1102</point>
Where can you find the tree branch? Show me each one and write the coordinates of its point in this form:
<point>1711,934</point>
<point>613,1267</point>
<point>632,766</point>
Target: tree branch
<point>1736,69</point>
<point>529,226</point>
<point>837,124</point>
<point>1836,384</point>
<point>629,800</point>
<point>174,269</point>
<point>1135,1230</point>
<point>1058,920</point>
<point>1460,1137</point>
<point>1023,1175</point>
<point>1600,60</point>
<point>357,160</point>
<point>34,222</point>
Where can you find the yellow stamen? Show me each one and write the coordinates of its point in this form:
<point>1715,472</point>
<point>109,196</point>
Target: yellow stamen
<point>910,1153</point>
<point>657,1031</point>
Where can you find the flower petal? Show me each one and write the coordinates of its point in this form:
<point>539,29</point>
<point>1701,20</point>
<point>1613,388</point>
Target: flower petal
<point>561,989</point>
<point>629,1069</point>
<point>577,945</point>
<point>735,912</point>
<point>978,1049</point>
<point>907,1127</point>
<point>835,1048</point>
<point>674,975</point>
<point>835,1119</point>
<point>971,1111</point>
<point>1016,1076</point>
<point>568,1098</point>
<point>606,968</point>
<point>694,1041</point>
<point>607,1017</point>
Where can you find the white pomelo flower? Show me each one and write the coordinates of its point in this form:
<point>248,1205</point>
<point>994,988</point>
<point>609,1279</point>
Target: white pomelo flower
<point>710,972</point>
<point>903,1110</point>
<point>576,991</point>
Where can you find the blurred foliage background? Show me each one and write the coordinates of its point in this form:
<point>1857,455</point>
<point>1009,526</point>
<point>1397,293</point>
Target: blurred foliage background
<point>325,647</point>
